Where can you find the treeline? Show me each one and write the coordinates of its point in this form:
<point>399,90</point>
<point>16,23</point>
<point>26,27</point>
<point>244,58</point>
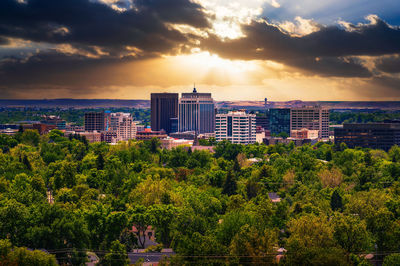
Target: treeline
<point>362,117</point>
<point>337,205</point>
<point>12,115</point>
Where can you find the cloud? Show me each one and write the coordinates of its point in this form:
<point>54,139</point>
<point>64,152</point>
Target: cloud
<point>329,51</point>
<point>389,64</point>
<point>89,23</point>
<point>77,46</point>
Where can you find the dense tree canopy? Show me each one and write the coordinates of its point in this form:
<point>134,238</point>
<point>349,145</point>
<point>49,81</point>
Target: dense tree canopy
<point>335,204</point>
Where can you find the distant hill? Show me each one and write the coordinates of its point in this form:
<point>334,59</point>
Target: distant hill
<point>388,105</point>
<point>104,103</point>
<point>76,103</point>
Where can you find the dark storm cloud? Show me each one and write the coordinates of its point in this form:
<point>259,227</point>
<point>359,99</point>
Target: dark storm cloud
<point>51,67</point>
<point>325,52</point>
<point>83,22</point>
<point>4,41</point>
<point>389,64</point>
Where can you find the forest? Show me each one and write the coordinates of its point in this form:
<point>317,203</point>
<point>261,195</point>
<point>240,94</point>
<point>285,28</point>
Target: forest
<point>61,197</point>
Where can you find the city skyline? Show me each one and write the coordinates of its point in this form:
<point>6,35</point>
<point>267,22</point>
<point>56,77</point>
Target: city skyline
<point>240,50</point>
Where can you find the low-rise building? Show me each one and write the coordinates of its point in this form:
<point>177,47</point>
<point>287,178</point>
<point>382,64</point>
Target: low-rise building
<point>304,133</point>
<point>54,120</point>
<point>297,142</point>
<point>170,143</point>
<point>91,137</point>
<point>148,134</point>
<point>372,135</point>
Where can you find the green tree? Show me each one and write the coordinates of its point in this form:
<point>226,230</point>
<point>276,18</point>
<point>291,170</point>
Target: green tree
<point>27,163</point>
<point>100,161</point>
<point>394,154</point>
<point>392,260</point>
<point>351,233</point>
<point>251,247</point>
<point>230,185</point>
<point>10,255</point>
<point>116,255</point>
<point>30,137</point>
<point>336,201</point>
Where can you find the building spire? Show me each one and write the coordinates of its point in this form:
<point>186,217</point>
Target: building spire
<point>194,88</point>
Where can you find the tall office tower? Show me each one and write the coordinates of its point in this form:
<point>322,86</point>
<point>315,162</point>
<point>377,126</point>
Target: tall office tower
<point>236,126</point>
<point>279,121</point>
<point>196,113</point>
<point>164,106</point>
<point>313,118</point>
<point>123,125</point>
<point>94,121</point>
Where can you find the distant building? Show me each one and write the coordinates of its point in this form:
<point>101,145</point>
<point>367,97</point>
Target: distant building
<point>313,118</point>
<point>95,121</point>
<point>41,128</point>
<point>236,126</point>
<point>189,135</point>
<point>170,143</point>
<point>297,142</point>
<point>279,121</point>
<point>174,124</point>
<point>375,135</point>
<point>91,137</point>
<point>196,112</point>
<point>123,125</point>
<point>75,128</point>
<point>139,127</point>
<point>109,136</point>
<point>260,136</point>
<point>8,131</point>
<point>54,120</point>
<point>305,133</point>
<point>148,134</point>
<point>9,126</point>
<point>262,121</point>
<point>164,106</point>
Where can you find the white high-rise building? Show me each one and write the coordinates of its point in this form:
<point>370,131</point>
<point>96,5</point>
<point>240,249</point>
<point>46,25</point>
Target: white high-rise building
<point>236,126</point>
<point>123,125</point>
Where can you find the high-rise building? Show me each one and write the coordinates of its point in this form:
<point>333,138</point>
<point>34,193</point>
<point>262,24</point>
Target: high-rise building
<point>279,121</point>
<point>123,125</point>
<point>94,121</point>
<point>312,118</point>
<point>236,126</point>
<point>196,112</point>
<point>164,106</point>
<point>372,135</point>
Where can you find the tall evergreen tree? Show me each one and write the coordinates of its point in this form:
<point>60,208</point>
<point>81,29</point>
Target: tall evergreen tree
<point>236,166</point>
<point>27,163</point>
<point>336,201</point>
<point>230,185</point>
<point>100,162</point>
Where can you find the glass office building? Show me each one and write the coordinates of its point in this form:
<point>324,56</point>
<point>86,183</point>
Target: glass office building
<point>196,113</point>
<point>279,120</point>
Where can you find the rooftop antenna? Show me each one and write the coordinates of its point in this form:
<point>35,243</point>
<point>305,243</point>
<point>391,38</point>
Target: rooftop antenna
<point>194,88</point>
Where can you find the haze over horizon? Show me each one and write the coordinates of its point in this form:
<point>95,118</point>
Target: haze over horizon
<point>237,50</point>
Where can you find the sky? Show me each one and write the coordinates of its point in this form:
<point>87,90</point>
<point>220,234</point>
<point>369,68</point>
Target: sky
<point>330,50</point>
